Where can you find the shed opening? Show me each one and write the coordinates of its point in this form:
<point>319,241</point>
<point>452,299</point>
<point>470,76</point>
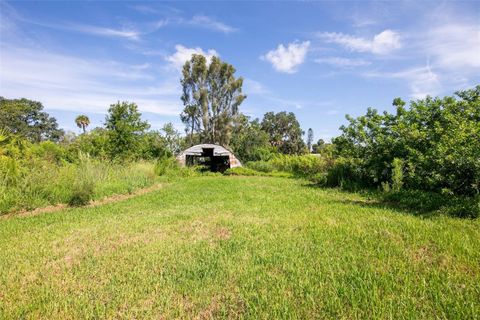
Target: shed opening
<point>211,157</point>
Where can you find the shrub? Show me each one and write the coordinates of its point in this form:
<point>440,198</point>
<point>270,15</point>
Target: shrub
<point>164,165</point>
<point>82,194</point>
<point>397,174</point>
<point>262,166</point>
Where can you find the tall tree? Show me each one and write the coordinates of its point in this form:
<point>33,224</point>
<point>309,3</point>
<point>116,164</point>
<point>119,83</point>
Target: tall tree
<point>125,127</point>
<point>211,96</point>
<point>310,139</point>
<point>25,118</point>
<point>284,131</point>
<point>82,122</point>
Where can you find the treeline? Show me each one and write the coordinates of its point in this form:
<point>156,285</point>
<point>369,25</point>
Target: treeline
<point>427,152</point>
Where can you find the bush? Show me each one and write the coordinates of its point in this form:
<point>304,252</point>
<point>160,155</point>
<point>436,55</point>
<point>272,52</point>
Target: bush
<point>457,206</point>
<point>262,166</point>
<point>82,194</point>
<point>164,165</point>
<point>308,166</point>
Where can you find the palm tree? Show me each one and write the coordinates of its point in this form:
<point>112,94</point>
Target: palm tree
<point>82,122</point>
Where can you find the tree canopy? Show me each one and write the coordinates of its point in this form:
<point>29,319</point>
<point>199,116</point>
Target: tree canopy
<point>25,118</point>
<point>284,132</point>
<point>211,97</point>
<point>125,127</point>
<point>82,121</point>
<point>437,139</point>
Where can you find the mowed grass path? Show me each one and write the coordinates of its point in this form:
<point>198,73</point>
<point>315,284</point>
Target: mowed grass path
<point>239,247</point>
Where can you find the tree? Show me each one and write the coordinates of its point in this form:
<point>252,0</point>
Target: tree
<point>310,139</point>
<point>25,118</point>
<point>125,127</point>
<point>284,132</point>
<point>172,138</point>
<point>317,147</point>
<point>211,96</point>
<point>249,142</point>
<point>436,140</point>
<point>82,122</point>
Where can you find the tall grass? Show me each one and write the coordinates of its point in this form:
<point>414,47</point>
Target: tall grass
<point>44,183</point>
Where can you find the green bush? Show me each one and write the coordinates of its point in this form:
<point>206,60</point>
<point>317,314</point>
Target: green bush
<point>262,166</point>
<point>82,194</point>
<point>307,166</point>
<point>164,165</point>
<point>423,201</point>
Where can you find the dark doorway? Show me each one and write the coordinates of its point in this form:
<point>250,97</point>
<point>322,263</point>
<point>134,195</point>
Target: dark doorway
<point>208,161</point>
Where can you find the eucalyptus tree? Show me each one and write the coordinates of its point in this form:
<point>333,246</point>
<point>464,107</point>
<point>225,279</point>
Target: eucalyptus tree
<point>211,98</point>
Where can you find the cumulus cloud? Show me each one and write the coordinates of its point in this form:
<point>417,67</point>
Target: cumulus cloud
<point>288,58</point>
<point>382,43</point>
<point>343,62</point>
<point>183,54</point>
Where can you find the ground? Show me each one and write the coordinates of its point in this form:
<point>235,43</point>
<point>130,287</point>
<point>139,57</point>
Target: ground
<point>239,247</point>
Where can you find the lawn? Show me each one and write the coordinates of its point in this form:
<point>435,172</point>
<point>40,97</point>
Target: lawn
<point>239,247</point>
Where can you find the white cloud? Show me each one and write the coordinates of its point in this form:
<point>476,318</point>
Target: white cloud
<point>184,54</point>
<point>343,62</point>
<point>287,59</point>
<point>382,43</point>
<point>212,24</point>
<point>453,46</point>
<point>422,81</point>
<point>73,84</point>
<point>107,32</point>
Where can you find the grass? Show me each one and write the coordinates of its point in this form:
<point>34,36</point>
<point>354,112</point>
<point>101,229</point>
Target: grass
<point>47,184</point>
<point>239,247</point>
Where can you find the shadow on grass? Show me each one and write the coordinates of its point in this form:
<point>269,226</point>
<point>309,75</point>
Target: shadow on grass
<point>413,202</point>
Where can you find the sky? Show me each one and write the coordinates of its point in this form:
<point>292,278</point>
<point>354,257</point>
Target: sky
<point>320,60</point>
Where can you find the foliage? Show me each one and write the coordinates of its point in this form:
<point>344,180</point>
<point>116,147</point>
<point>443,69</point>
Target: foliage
<point>82,121</point>
<point>124,127</point>
<point>164,165</point>
<point>211,96</point>
<point>173,140</point>
<point>318,146</point>
<point>25,118</point>
<point>284,132</point>
<point>36,175</point>
<point>310,139</point>
<point>309,167</point>
<point>249,142</point>
<point>243,171</point>
<point>437,139</point>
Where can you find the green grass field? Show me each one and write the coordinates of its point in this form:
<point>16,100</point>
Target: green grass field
<point>239,247</point>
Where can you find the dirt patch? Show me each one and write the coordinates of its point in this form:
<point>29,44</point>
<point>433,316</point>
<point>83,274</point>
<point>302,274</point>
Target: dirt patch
<point>94,203</point>
<point>223,233</point>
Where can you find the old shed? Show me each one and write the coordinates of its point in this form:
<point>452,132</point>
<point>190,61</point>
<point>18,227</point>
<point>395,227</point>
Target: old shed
<point>214,157</point>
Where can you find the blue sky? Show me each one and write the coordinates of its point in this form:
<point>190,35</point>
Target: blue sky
<point>320,60</point>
